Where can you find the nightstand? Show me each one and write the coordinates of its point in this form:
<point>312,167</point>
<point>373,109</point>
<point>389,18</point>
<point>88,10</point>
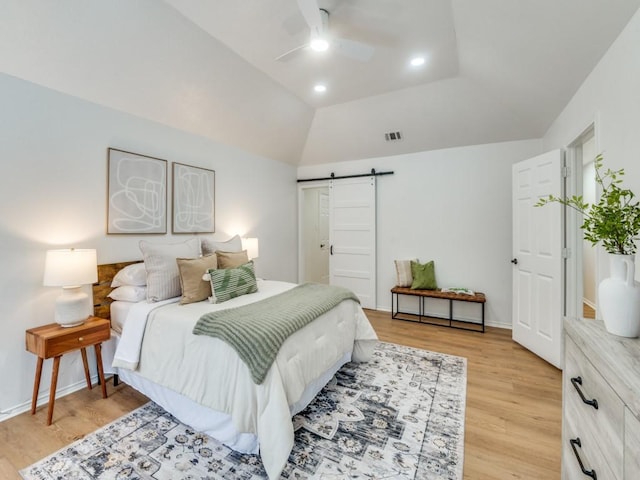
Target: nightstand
<point>54,341</point>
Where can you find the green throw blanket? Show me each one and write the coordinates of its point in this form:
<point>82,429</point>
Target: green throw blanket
<point>256,331</point>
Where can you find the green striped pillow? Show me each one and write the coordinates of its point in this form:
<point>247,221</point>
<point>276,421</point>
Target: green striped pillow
<point>229,283</point>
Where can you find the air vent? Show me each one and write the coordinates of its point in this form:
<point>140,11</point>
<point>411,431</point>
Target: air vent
<point>392,136</point>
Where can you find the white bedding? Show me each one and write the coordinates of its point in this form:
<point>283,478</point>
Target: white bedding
<point>161,348</point>
<point>119,313</point>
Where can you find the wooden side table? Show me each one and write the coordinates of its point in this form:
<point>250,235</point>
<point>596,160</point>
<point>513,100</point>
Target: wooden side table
<point>54,341</point>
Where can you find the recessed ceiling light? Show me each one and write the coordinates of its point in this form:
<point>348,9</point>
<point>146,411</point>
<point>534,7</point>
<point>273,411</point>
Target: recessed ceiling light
<point>417,61</point>
<point>320,88</point>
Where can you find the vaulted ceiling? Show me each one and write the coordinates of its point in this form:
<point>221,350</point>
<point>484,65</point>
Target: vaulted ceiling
<point>495,70</point>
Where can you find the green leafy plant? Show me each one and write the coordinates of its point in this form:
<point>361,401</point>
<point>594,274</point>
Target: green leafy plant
<point>614,220</point>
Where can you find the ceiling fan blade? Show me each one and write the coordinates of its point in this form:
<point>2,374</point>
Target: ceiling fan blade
<point>311,13</point>
<point>355,50</point>
<point>291,53</point>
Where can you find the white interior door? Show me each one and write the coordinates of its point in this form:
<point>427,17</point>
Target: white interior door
<point>352,235</point>
<point>314,234</point>
<point>538,289</point>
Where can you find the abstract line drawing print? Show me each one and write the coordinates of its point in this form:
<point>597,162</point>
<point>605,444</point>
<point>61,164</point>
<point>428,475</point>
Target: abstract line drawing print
<point>193,199</point>
<point>137,193</point>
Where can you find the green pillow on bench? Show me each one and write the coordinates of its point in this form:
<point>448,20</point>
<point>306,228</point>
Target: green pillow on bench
<point>424,276</point>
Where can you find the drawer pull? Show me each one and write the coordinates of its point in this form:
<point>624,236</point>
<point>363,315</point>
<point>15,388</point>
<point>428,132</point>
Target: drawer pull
<point>578,381</point>
<point>588,473</point>
<point>81,339</point>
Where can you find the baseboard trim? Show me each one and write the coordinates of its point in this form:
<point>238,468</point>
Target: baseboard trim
<point>43,398</point>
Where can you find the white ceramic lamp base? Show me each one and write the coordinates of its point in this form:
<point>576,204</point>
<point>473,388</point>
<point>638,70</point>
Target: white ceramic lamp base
<point>71,307</point>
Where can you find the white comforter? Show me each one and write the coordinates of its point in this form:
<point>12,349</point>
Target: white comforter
<point>209,372</point>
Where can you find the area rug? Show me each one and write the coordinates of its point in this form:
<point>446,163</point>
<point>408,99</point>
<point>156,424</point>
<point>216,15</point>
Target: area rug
<point>399,416</point>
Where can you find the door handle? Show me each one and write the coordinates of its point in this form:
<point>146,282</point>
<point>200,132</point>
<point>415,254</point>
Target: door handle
<point>514,261</point>
<point>331,250</point>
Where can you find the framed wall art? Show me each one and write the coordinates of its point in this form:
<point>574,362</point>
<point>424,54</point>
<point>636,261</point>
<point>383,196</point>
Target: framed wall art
<point>193,199</point>
<point>137,193</point>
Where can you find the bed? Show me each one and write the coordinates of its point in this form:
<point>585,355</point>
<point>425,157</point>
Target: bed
<point>203,382</point>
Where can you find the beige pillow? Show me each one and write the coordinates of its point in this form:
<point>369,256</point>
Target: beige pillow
<point>209,245</point>
<point>194,288</point>
<point>404,277</point>
<point>231,259</point>
<point>163,279</point>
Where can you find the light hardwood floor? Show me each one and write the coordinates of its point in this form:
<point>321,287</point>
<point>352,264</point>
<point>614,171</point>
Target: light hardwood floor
<point>513,412</point>
<point>587,311</point>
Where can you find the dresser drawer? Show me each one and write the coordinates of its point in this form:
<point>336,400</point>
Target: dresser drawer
<point>631,446</point>
<point>51,340</point>
<point>589,453</point>
<point>65,343</point>
<point>600,430</point>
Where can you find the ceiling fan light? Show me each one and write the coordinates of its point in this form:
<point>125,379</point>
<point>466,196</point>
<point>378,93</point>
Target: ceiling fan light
<point>319,44</point>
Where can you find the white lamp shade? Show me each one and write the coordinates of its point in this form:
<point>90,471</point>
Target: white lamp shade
<point>70,267</point>
<point>251,246</point>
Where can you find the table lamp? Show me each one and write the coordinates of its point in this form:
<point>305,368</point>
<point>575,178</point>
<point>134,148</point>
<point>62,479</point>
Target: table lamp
<point>70,269</point>
<point>251,246</point>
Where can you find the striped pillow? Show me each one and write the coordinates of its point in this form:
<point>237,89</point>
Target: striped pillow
<point>229,283</point>
<point>403,273</point>
<point>163,277</point>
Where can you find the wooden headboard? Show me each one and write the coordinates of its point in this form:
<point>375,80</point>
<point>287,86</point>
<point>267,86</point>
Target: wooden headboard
<point>101,289</point>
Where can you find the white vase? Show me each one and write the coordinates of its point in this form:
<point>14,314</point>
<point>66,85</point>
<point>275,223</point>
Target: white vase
<point>620,297</point>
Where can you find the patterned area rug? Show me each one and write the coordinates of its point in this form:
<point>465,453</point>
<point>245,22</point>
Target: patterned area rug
<point>400,416</point>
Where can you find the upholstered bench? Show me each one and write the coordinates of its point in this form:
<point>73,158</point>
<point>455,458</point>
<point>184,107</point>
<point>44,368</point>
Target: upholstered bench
<point>423,317</point>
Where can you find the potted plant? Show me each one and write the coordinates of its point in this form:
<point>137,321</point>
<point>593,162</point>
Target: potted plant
<point>613,221</point>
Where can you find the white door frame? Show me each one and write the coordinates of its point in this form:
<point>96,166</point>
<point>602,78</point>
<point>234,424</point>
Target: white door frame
<point>301,188</point>
<point>573,221</point>
<point>572,238</point>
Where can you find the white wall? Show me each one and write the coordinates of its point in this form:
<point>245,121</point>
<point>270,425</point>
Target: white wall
<point>610,96</point>
<point>53,182</point>
<point>452,206</point>
<point>145,58</point>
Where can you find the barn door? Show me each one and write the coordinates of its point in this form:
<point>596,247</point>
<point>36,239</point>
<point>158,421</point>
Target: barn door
<point>352,235</point>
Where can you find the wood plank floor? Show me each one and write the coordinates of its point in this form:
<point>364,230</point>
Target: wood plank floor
<point>513,412</point>
<point>588,311</point>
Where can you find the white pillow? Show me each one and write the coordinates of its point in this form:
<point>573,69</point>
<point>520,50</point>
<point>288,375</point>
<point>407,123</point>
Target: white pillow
<point>209,245</point>
<point>134,274</point>
<point>129,293</point>
<point>163,277</point>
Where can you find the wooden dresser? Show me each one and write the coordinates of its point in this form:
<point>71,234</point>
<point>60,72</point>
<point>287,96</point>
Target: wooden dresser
<point>601,404</point>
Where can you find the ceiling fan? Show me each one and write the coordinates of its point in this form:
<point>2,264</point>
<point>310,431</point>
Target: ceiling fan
<point>320,38</point>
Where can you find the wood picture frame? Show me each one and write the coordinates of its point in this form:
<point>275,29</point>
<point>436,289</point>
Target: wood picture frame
<point>136,193</point>
<point>193,199</point>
